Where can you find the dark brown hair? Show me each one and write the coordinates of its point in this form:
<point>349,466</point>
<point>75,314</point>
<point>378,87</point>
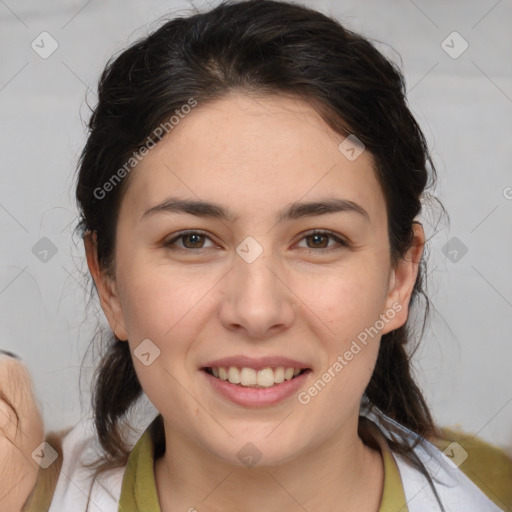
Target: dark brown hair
<point>260,47</point>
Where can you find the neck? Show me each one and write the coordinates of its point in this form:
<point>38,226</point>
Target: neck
<point>342,474</point>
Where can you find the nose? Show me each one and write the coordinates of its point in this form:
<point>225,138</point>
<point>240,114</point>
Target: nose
<point>257,301</point>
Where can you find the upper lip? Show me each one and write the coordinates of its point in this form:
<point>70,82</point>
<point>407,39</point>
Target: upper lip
<point>257,363</point>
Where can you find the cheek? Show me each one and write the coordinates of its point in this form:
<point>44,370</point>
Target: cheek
<point>163,307</point>
<point>351,303</point>
<point>349,300</point>
<point>156,300</point>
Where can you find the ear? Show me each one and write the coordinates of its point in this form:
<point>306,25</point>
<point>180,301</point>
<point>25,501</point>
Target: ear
<point>106,287</point>
<point>402,280</point>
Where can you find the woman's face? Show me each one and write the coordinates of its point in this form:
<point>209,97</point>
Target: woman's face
<point>259,284</point>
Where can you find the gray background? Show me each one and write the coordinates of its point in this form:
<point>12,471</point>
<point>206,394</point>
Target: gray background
<point>464,105</point>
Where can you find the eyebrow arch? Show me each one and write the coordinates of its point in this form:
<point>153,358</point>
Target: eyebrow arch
<point>293,211</point>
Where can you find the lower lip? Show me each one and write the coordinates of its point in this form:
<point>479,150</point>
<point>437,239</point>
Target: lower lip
<point>257,397</point>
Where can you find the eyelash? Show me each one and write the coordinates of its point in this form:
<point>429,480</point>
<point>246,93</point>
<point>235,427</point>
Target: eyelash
<point>169,244</point>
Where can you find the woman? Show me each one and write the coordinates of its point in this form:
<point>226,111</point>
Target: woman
<point>249,194</point>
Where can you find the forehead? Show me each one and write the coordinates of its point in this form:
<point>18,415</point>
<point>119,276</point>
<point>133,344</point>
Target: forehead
<point>246,152</point>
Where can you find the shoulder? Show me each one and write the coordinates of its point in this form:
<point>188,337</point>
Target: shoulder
<point>487,466</point>
<point>454,468</point>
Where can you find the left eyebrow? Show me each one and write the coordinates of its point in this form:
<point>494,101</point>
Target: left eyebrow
<point>293,211</point>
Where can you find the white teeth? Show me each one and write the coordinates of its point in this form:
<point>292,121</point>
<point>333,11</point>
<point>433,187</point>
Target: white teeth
<point>247,377</point>
<point>234,375</point>
<point>279,375</point>
<point>264,378</point>
<point>288,373</point>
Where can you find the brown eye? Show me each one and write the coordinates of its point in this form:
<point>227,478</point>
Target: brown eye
<point>195,239</point>
<point>189,240</point>
<point>320,240</point>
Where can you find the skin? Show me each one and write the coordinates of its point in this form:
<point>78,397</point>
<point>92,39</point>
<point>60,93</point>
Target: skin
<point>21,432</point>
<point>256,155</point>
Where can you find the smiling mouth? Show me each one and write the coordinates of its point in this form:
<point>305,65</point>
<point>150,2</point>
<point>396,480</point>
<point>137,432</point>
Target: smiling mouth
<point>251,378</point>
